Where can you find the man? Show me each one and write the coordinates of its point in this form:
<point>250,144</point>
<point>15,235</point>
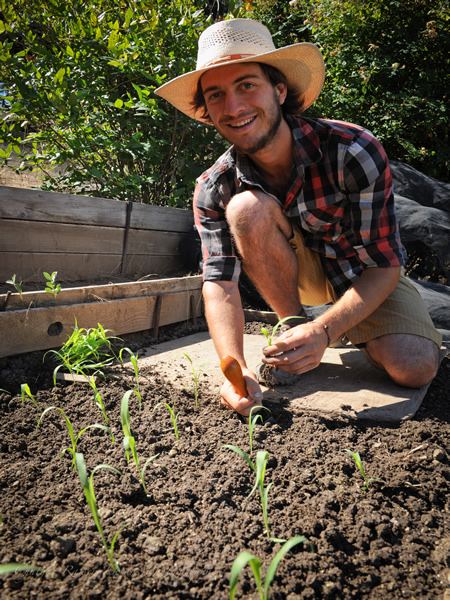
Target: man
<point>305,206</point>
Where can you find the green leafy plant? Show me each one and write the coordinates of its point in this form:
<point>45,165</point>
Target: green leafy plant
<point>173,417</point>
<point>245,558</point>
<point>196,378</point>
<point>86,351</point>
<point>17,284</point>
<point>252,422</point>
<point>51,286</point>
<point>134,362</point>
<point>259,468</point>
<point>359,464</point>
<point>129,442</point>
<point>25,390</point>
<point>7,568</point>
<point>88,488</point>
<point>98,400</point>
<point>74,440</point>
<point>269,336</point>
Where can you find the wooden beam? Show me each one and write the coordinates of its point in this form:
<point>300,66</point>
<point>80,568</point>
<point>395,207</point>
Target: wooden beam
<point>46,328</point>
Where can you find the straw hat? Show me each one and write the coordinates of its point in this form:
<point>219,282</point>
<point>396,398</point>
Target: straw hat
<point>245,40</point>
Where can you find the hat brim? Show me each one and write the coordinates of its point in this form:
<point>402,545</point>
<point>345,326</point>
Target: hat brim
<point>302,65</point>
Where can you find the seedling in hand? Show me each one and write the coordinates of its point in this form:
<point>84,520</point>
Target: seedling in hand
<point>134,362</point>
<point>357,460</point>
<point>74,440</point>
<point>17,284</point>
<point>269,336</point>
<point>259,469</point>
<point>196,377</point>
<point>51,286</point>
<point>129,442</point>
<point>173,416</point>
<point>88,488</point>
<point>245,557</point>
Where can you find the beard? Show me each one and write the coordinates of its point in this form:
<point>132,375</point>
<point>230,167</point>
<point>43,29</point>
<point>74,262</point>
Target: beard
<point>275,119</point>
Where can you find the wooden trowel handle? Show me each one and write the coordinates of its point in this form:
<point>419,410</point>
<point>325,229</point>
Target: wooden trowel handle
<point>233,372</point>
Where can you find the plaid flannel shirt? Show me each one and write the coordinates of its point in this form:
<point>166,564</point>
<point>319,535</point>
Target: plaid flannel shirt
<point>339,194</point>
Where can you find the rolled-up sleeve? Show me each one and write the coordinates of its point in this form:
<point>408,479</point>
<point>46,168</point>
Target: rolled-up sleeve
<point>220,261</point>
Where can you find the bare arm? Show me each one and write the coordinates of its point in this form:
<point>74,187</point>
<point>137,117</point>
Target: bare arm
<point>225,318</point>
<point>303,346</point>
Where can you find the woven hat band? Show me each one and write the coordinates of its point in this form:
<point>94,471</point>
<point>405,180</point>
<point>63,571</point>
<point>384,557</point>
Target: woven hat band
<point>225,59</point>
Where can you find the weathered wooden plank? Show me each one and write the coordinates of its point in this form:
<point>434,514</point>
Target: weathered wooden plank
<point>84,267</point>
<point>42,236</point>
<point>37,205</point>
<point>98,293</point>
<point>28,330</point>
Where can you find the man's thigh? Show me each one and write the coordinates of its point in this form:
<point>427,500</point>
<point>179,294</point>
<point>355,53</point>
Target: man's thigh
<point>402,313</point>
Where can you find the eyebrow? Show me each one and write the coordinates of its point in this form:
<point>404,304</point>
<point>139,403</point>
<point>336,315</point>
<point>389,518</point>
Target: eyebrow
<point>237,80</point>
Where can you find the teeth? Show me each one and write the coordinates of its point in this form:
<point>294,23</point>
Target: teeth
<point>242,123</point>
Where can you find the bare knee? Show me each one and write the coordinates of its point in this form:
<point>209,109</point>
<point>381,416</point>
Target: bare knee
<point>411,361</point>
<point>254,211</point>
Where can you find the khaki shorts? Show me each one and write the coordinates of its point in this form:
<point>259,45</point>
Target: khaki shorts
<point>402,312</point>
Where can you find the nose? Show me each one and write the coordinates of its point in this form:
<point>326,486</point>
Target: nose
<point>233,105</point>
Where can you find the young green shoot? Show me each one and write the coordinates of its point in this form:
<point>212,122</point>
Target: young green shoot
<point>357,459</point>
<point>51,286</point>
<point>269,336</point>
<point>134,362</point>
<point>259,468</point>
<point>16,284</point>
<point>88,488</point>
<point>245,558</point>
<point>196,377</point>
<point>252,422</point>
<point>74,440</point>
<point>173,416</point>
<point>25,389</point>
<point>86,351</point>
<point>98,400</point>
<point>7,568</point>
<point>129,442</point>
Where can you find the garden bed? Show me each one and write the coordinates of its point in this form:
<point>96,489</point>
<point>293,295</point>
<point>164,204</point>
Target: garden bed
<point>391,541</point>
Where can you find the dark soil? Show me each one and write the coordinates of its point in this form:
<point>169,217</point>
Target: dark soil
<point>389,542</point>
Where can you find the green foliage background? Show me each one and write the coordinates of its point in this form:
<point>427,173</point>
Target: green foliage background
<point>80,76</point>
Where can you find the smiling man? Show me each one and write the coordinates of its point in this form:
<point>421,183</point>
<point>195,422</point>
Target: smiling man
<point>305,206</point>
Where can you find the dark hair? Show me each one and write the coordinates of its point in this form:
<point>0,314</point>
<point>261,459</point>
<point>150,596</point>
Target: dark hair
<point>292,105</point>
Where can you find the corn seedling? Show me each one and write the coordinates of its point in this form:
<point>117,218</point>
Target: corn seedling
<point>25,390</point>
<point>129,442</point>
<point>86,351</point>
<point>196,378</point>
<point>245,558</point>
<point>134,362</point>
<point>252,422</point>
<point>357,459</point>
<point>269,336</point>
<point>88,488</point>
<point>74,440</point>
<point>98,400</point>
<point>173,416</point>
<point>16,284</point>
<point>7,568</point>
<point>259,469</point>
<point>51,286</point>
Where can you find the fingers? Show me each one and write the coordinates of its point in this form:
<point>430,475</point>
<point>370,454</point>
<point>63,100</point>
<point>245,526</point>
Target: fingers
<point>233,401</point>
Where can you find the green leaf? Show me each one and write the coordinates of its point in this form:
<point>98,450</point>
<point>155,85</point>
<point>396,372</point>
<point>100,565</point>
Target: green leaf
<point>118,103</point>
<point>277,558</point>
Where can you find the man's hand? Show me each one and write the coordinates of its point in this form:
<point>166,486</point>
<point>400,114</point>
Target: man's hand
<point>299,349</point>
<point>234,401</point>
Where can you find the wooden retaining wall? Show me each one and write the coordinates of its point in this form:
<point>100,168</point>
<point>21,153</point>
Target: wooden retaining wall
<point>88,239</point>
<point>84,238</point>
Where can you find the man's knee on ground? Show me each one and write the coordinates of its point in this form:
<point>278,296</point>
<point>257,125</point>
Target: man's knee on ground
<point>410,361</point>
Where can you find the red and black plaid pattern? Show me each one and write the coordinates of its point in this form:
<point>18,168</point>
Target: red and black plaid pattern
<point>340,194</point>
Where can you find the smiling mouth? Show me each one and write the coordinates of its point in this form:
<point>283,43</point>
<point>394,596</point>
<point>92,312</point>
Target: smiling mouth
<point>242,123</point>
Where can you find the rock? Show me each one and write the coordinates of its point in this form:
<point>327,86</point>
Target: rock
<point>439,455</point>
<point>153,545</point>
<point>410,183</point>
<point>61,547</point>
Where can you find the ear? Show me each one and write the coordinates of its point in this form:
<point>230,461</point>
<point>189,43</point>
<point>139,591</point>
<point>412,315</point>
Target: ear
<point>281,92</point>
